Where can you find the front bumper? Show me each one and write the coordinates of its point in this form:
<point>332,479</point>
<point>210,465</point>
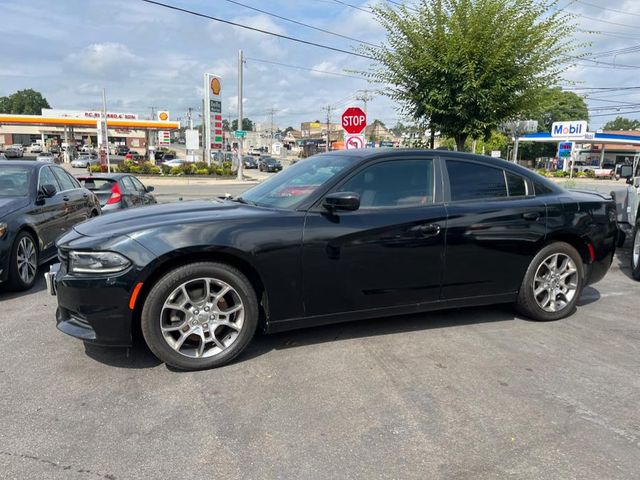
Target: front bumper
<point>92,309</point>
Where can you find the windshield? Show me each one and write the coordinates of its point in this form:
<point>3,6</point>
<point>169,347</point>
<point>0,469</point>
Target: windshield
<point>296,183</point>
<point>14,181</point>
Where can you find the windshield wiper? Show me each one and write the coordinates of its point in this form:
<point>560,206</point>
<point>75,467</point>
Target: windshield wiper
<point>242,200</point>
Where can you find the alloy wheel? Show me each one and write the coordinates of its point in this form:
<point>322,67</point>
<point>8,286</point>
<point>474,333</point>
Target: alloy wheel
<point>27,261</point>
<point>555,283</point>
<point>202,317</point>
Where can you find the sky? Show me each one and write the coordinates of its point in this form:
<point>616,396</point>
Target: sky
<point>148,56</point>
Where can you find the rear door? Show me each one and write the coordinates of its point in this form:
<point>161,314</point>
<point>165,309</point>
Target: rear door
<point>494,224</point>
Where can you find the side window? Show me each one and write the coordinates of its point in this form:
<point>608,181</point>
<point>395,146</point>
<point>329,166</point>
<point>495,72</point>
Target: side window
<point>516,185</point>
<point>46,177</point>
<point>128,184</point>
<point>138,184</point>
<point>396,183</point>
<point>75,182</point>
<point>471,181</point>
<point>63,179</point>
<point>541,188</point>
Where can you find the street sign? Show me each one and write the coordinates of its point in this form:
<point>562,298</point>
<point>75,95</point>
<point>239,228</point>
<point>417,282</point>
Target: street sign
<point>240,134</point>
<point>352,141</point>
<point>192,138</point>
<point>213,114</point>
<point>495,153</point>
<point>354,120</point>
<point>163,116</point>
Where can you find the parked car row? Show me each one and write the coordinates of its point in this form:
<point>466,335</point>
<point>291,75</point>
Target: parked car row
<point>40,201</point>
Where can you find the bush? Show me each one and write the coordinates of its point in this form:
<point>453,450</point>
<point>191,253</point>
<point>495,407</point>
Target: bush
<point>188,168</point>
<point>155,170</point>
<point>175,171</point>
<point>135,169</point>
<point>202,171</point>
<point>560,174</point>
<point>213,169</point>
<point>590,173</point>
<point>165,169</point>
<point>125,167</point>
<point>201,165</point>
<point>95,169</point>
<point>582,174</point>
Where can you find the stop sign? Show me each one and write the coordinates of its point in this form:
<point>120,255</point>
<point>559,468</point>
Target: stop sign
<point>354,120</point>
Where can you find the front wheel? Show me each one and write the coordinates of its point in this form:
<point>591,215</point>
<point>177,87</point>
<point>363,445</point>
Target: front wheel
<point>553,283</point>
<point>635,251</point>
<point>200,316</point>
<point>24,262</point>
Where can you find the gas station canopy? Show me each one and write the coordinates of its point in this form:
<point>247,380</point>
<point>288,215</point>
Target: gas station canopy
<point>50,121</point>
<point>598,138</point>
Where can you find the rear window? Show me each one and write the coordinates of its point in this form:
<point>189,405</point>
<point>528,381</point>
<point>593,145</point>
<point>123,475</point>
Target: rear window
<point>100,184</point>
<point>472,181</point>
<point>14,181</point>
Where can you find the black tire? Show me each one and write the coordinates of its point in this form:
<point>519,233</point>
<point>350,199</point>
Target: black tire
<point>16,283</point>
<point>151,314</point>
<point>526,303</point>
<point>635,244</point>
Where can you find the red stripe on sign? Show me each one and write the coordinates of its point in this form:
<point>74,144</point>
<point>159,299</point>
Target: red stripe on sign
<point>218,125</point>
<point>218,132</point>
<point>218,117</point>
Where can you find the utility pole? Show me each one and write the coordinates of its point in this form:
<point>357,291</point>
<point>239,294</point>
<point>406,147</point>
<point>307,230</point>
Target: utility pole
<point>364,98</point>
<point>240,67</point>
<point>105,136</point>
<point>151,143</point>
<point>189,119</point>
<point>328,109</point>
<point>272,111</point>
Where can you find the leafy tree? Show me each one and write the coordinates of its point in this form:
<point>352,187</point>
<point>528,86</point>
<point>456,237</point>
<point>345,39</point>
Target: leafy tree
<point>621,123</point>
<point>24,102</point>
<point>288,129</point>
<point>468,65</point>
<point>247,124</point>
<point>225,125</point>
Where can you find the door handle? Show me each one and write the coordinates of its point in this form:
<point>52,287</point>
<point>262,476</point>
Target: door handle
<point>84,195</point>
<point>66,199</point>
<point>531,216</point>
<point>430,230</point>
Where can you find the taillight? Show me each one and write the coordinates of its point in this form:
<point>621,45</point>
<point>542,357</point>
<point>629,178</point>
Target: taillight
<point>116,196</point>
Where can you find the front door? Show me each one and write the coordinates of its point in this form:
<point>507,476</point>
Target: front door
<point>494,227</point>
<point>387,253</point>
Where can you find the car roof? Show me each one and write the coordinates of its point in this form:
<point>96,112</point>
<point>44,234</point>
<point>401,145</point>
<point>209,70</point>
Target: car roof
<point>24,163</point>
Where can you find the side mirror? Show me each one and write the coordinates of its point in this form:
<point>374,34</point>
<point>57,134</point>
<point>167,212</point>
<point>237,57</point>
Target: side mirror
<point>341,201</point>
<point>48,190</point>
<point>150,189</point>
<point>626,171</point>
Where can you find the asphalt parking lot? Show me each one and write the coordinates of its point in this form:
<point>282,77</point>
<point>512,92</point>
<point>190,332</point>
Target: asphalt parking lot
<point>470,393</point>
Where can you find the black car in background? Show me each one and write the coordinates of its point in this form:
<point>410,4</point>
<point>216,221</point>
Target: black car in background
<point>269,164</point>
<point>38,203</point>
<point>116,191</point>
<point>340,236</point>
<point>249,162</point>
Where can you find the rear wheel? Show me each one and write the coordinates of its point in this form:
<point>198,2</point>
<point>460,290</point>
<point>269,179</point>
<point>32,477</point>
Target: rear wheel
<point>23,267</point>
<point>553,283</point>
<point>635,251</point>
<point>200,316</point>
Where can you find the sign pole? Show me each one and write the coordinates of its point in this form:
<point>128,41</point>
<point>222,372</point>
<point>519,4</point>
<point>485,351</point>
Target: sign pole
<point>105,137</point>
<point>207,119</point>
<point>240,140</point>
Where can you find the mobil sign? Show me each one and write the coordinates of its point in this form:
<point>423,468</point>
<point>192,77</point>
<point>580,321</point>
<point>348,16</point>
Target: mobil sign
<point>577,129</point>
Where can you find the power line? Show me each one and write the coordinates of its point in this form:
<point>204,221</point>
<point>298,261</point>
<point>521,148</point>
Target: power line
<point>286,19</point>
<point>607,21</point>
<point>305,68</point>
<point>608,9</point>
<point>355,7</point>
<point>259,30</point>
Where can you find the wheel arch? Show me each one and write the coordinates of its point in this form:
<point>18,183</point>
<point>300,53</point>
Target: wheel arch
<point>576,241</point>
<point>32,231</point>
<point>179,259</point>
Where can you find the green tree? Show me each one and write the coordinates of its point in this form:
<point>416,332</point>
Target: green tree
<point>225,125</point>
<point>288,129</point>
<point>468,65</point>
<point>247,124</point>
<point>621,123</point>
<point>24,102</point>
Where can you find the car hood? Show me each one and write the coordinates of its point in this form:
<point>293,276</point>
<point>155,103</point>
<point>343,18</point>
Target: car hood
<point>8,205</point>
<point>179,213</point>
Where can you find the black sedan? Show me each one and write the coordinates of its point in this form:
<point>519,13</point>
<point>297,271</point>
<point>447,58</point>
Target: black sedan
<point>38,203</point>
<point>249,162</point>
<point>117,190</point>
<point>269,164</point>
<point>341,236</point>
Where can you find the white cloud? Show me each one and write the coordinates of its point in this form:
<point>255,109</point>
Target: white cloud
<point>104,58</point>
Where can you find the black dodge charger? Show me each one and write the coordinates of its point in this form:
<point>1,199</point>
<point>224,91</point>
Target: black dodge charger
<point>341,236</point>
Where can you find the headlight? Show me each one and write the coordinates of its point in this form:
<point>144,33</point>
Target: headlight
<point>97,262</point>
<point>3,229</point>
